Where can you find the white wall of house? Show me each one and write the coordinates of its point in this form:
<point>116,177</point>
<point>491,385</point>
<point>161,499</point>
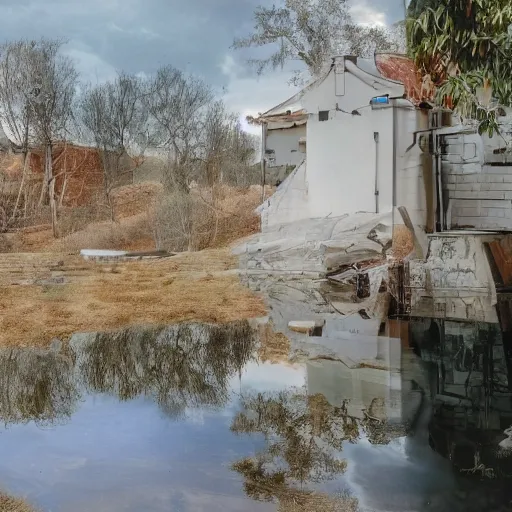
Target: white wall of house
<point>342,163</point>
<point>410,186</point>
<point>343,158</point>
<point>289,203</point>
<point>341,152</point>
<point>285,144</point>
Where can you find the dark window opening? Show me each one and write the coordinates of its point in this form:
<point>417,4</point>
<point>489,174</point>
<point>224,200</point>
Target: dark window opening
<point>323,115</point>
<point>317,331</point>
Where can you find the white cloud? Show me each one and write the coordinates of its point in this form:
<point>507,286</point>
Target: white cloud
<point>137,32</point>
<point>90,65</point>
<point>254,95</point>
<point>364,14</point>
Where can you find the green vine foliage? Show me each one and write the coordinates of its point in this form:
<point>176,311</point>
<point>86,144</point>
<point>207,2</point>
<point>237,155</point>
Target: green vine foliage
<point>463,45</point>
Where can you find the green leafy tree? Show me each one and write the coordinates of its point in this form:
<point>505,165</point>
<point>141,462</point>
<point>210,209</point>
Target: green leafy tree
<point>462,47</point>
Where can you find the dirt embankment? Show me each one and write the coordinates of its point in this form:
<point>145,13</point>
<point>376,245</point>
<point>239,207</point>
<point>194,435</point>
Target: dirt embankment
<point>55,295</point>
<point>231,217</point>
<point>48,291</point>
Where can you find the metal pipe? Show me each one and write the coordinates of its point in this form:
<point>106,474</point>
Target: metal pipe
<point>263,162</point>
<point>395,141</point>
<point>376,139</point>
<point>440,224</point>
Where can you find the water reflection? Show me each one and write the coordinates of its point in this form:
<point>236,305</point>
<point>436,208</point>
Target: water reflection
<point>303,434</point>
<point>255,436</point>
<point>36,386</point>
<point>471,394</point>
<point>304,438</point>
<point>179,367</point>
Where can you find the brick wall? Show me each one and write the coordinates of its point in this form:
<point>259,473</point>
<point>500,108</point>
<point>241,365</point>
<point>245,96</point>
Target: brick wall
<point>477,183</point>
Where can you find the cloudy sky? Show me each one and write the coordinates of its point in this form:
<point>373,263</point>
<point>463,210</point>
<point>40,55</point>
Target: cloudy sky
<point>140,35</point>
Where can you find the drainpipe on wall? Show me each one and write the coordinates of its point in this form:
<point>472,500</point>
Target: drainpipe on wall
<point>263,162</point>
<point>395,141</point>
<point>376,139</point>
<point>440,218</point>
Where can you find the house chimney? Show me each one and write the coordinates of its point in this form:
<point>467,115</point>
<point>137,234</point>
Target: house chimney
<point>339,75</point>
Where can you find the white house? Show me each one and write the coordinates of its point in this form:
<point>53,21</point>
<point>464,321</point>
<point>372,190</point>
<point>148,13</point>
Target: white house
<point>338,207</point>
<point>359,125</point>
<point>284,135</point>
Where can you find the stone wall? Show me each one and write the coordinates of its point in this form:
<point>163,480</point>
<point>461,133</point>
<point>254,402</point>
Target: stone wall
<point>455,281</point>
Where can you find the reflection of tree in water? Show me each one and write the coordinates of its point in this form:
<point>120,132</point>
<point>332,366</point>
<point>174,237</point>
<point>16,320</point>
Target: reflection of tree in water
<point>304,501</point>
<point>185,365</point>
<point>181,366</point>
<point>36,386</point>
<point>377,430</point>
<point>304,437</point>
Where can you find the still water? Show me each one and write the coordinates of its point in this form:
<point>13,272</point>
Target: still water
<point>187,418</point>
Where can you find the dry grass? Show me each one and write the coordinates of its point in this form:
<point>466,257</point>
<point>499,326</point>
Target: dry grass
<point>10,504</point>
<point>133,200</point>
<point>97,297</point>
<point>403,242</point>
<point>130,234</point>
<point>206,217</point>
<point>238,219</point>
<point>232,218</point>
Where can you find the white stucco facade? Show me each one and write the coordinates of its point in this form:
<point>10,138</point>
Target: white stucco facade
<point>282,146</point>
<point>355,153</point>
<point>410,183</point>
<point>289,203</point>
<point>343,164</point>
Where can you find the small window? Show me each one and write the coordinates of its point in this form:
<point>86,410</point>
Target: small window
<point>323,115</point>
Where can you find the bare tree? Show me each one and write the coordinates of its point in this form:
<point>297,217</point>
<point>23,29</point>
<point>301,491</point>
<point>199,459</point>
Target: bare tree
<point>15,89</point>
<point>176,103</point>
<point>229,151</point>
<point>311,31</point>
<point>117,121</point>
<point>226,151</point>
<point>216,131</point>
<point>53,80</point>
<point>242,155</point>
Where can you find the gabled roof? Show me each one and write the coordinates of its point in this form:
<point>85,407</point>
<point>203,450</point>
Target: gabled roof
<point>384,71</point>
<point>290,110</point>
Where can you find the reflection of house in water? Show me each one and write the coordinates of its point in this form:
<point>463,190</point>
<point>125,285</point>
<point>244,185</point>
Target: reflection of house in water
<point>470,389</point>
<point>388,394</point>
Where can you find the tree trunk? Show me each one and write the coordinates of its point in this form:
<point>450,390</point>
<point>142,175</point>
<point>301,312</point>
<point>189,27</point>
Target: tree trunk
<point>64,184</point>
<point>63,191</point>
<point>110,204</point>
<point>26,155</point>
<point>46,179</point>
<point>51,187</point>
